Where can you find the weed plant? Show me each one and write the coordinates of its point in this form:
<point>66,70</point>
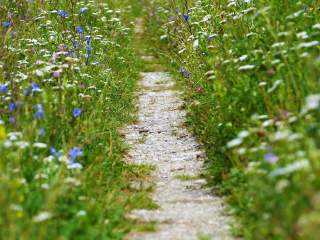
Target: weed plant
<point>250,71</point>
<point>67,76</point>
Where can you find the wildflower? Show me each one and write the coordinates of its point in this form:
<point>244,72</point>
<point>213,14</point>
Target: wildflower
<point>72,164</point>
<point>196,44</point>
<point>293,167</point>
<point>42,216</point>
<point>76,112</point>
<point>316,26</point>
<point>81,213</point>
<point>88,39</point>
<point>243,57</point>
<point>12,119</point>
<point>275,86</point>
<point>271,158</point>
<point>7,24</point>
<point>184,72</point>
<point>41,132</point>
<point>39,111</point>
<point>35,87</point>
<point>87,56</point>
<point>88,48</point>
<point>235,142</point>
<point>308,44</point>
<point>74,153</point>
<point>63,13</point>
<point>12,106</point>
<point>312,102</point>
<point>243,134</point>
<point>82,10</point>
<point>54,152</point>
<point>79,29</point>
<point>4,88</point>
<point>40,145</point>
<point>56,74</point>
<point>246,67</point>
<point>186,17</point>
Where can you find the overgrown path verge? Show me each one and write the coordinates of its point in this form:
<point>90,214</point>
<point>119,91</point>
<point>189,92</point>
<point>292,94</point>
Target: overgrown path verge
<point>186,208</point>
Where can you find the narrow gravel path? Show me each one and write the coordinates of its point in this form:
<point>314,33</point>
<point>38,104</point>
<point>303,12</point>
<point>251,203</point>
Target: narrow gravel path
<point>187,209</point>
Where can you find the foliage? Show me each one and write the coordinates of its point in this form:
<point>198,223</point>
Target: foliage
<point>67,76</point>
<point>250,70</point>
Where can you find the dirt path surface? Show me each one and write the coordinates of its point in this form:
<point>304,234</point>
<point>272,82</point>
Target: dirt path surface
<point>187,210</point>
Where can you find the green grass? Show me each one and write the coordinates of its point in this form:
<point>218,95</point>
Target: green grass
<point>77,103</point>
<point>250,73</point>
<point>187,177</point>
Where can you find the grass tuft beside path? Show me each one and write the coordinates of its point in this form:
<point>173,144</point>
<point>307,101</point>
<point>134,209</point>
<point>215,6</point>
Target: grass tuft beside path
<point>250,71</point>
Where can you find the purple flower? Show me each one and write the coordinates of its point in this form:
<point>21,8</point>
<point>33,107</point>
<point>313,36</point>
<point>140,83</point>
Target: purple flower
<point>82,10</point>
<point>72,164</point>
<point>184,72</point>
<point>79,29</point>
<point>74,153</point>
<point>88,39</point>
<point>7,24</point>
<point>54,152</point>
<point>186,17</point>
<point>12,119</point>
<point>76,112</point>
<point>76,44</point>
<point>35,87</point>
<point>88,48</point>
<point>63,13</point>
<point>39,111</point>
<point>87,56</point>
<point>41,132</point>
<point>271,158</point>
<point>56,74</point>
<point>71,52</point>
<point>12,106</point>
<point>4,88</point>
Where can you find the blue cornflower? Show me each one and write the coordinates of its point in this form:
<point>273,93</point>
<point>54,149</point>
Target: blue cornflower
<point>63,13</point>
<point>184,72</point>
<point>7,24</point>
<point>39,111</point>
<point>82,10</point>
<point>72,164</point>
<point>54,152</point>
<point>81,35</point>
<point>271,157</point>
<point>12,106</point>
<point>76,112</point>
<point>71,52</point>
<point>12,119</point>
<point>79,29</point>
<point>76,44</point>
<point>12,34</point>
<point>35,87</point>
<point>74,153</point>
<point>88,48</point>
<point>186,17</point>
<point>41,132</point>
<point>88,39</point>
<point>4,88</point>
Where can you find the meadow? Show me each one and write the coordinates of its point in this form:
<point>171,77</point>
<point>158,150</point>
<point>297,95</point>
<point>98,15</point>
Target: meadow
<point>250,73</point>
<point>67,76</point>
